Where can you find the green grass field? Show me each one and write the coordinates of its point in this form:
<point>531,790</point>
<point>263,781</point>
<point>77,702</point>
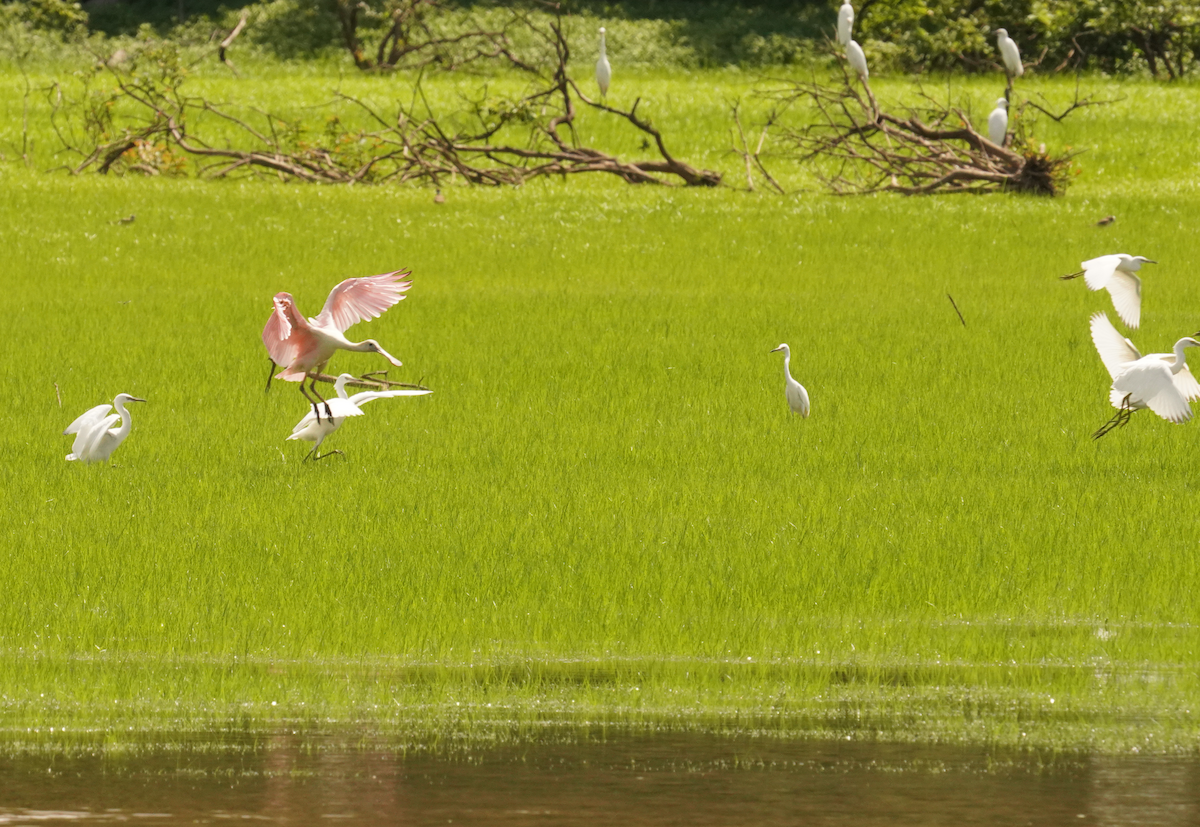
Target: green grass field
<point>605,515</point>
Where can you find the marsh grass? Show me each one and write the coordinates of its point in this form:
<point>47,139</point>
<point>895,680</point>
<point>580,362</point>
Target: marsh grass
<point>604,513</point>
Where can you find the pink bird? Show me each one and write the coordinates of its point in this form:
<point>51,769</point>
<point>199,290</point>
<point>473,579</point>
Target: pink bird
<point>303,347</point>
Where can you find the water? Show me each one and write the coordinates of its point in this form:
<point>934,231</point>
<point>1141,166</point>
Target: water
<point>627,780</point>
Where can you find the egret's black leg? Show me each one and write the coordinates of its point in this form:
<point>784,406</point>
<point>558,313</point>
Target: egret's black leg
<point>328,453</point>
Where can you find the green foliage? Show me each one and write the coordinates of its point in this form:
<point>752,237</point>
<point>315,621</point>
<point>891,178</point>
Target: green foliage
<point>60,16</point>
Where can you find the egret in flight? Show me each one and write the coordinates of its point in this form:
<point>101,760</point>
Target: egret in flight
<point>303,347</point>
<point>1010,54</point>
<point>314,429</point>
<point>95,436</point>
<point>845,23</point>
<point>1115,273</point>
<point>603,69</point>
<point>1161,382</point>
<point>998,123</point>
<point>858,61</point>
<point>797,396</point>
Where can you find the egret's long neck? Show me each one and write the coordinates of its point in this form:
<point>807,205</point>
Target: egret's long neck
<point>787,364</point>
<point>603,53</point>
<point>126,421</point>
<point>340,386</point>
<point>1180,361</point>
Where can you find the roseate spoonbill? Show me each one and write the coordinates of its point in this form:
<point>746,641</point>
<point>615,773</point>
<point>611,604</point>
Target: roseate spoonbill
<point>845,23</point>
<point>858,61</point>
<point>1115,273</point>
<point>1010,54</point>
<point>1161,382</point>
<point>797,396</point>
<point>303,347</point>
<point>313,429</point>
<point>998,123</point>
<point>95,436</point>
<point>603,69</point>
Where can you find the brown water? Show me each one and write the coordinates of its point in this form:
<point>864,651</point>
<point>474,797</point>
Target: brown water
<point>627,780</point>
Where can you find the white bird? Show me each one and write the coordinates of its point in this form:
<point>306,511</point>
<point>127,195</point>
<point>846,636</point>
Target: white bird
<point>95,436</point>
<point>797,396</point>
<point>314,429</point>
<point>845,23</point>
<point>998,123</point>
<point>1010,54</point>
<point>1115,273</point>
<point>1161,382</point>
<point>858,61</point>
<point>603,69</point>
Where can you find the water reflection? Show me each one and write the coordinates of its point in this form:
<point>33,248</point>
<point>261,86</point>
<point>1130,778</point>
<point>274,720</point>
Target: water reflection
<point>628,780</point>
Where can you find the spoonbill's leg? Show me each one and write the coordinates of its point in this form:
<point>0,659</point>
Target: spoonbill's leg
<point>313,387</point>
<point>270,374</point>
<point>311,401</point>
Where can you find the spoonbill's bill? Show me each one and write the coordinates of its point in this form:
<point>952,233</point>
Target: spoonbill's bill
<point>998,123</point>
<point>1010,54</point>
<point>313,429</point>
<point>858,60</point>
<point>603,68</point>
<point>1161,382</point>
<point>95,436</point>
<point>1115,273</point>
<point>303,347</point>
<point>845,23</point>
<point>797,396</point>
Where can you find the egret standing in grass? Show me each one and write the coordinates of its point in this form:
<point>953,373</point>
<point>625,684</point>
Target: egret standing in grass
<point>1161,382</point>
<point>303,347</point>
<point>313,429</point>
<point>797,396</point>
<point>95,436</point>
<point>1010,54</point>
<point>603,69</point>
<point>1115,273</point>
<point>998,123</point>
<point>845,23</point>
<point>858,60</point>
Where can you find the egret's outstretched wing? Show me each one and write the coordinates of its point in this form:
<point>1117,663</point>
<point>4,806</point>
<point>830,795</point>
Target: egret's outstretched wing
<point>341,409</point>
<point>1116,352</point>
<point>1126,291</point>
<point>369,396</point>
<point>87,418</point>
<point>88,439</point>
<point>1187,384</point>
<point>356,300</point>
<point>1097,271</point>
<point>1151,382</point>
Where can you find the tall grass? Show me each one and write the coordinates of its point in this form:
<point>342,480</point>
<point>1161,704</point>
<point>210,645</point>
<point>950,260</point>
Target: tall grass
<point>605,509</point>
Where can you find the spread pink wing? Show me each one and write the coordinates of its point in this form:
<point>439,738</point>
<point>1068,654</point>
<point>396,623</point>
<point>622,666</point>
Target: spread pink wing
<point>286,334</point>
<point>356,300</point>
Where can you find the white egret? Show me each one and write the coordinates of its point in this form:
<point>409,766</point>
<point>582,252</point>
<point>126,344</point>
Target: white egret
<point>797,396</point>
<point>313,428</point>
<point>1115,273</point>
<point>1161,382</point>
<point>858,61</point>
<point>95,436</point>
<point>603,69</point>
<point>998,123</point>
<point>1010,54</point>
<point>845,23</point>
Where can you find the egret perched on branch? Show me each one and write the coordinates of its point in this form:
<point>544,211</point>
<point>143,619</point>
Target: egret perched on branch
<point>858,61</point>
<point>1116,274</point>
<point>603,69</point>
<point>797,396</point>
<point>1010,54</point>
<point>303,347</point>
<point>313,429</point>
<point>845,23</point>
<point>1161,382</point>
<point>998,123</point>
<point>95,436</point>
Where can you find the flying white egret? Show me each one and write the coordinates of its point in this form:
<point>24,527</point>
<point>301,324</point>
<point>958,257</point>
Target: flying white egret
<point>1115,273</point>
<point>1010,54</point>
<point>797,396</point>
<point>313,428</point>
<point>858,61</point>
<point>95,436</point>
<point>603,69</point>
<point>998,123</point>
<point>1161,382</point>
<point>845,23</point>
